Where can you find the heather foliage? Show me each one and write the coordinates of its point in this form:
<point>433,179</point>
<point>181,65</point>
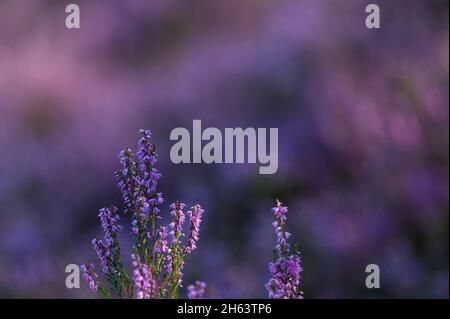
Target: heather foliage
<point>158,251</point>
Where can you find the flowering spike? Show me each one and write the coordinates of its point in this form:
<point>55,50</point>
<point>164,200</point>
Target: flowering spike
<point>128,180</point>
<point>280,212</point>
<point>147,158</point>
<point>179,219</point>
<point>195,217</point>
<point>103,253</point>
<point>89,275</point>
<point>108,219</point>
<point>286,268</point>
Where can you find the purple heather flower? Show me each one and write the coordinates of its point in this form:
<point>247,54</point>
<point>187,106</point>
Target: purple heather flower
<point>109,218</point>
<point>195,217</point>
<point>147,158</point>
<point>145,285</point>
<point>180,273</point>
<point>286,268</point>
<point>137,181</point>
<point>144,208</point>
<point>161,244</point>
<point>89,275</point>
<point>146,153</point>
<point>177,225</point>
<point>168,259</point>
<point>128,180</point>
<point>103,252</point>
<point>176,229</point>
<point>280,212</point>
<point>285,278</point>
<point>197,290</point>
<point>150,180</point>
<point>169,267</point>
<point>154,202</point>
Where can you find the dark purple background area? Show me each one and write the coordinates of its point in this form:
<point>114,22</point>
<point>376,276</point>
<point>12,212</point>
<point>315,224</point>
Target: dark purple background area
<point>363,136</point>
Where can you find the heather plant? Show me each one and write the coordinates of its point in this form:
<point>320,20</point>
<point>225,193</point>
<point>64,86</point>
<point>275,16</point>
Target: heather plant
<point>159,251</point>
<point>286,267</point>
<point>196,290</point>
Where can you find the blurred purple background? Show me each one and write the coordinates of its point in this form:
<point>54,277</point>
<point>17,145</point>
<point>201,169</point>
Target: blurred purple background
<point>363,133</point>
